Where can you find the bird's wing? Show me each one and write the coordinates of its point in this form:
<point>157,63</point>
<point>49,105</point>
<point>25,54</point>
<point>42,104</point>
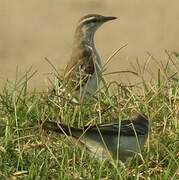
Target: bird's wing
<point>62,128</point>
<point>80,67</point>
<point>130,127</point>
<point>81,62</point>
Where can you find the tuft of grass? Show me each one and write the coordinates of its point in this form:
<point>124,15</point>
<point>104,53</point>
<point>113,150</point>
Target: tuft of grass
<point>26,152</point>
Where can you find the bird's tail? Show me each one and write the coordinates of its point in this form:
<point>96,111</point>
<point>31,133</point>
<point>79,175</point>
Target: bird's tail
<point>62,128</point>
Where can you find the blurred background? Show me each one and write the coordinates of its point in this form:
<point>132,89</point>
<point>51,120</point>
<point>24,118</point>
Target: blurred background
<point>31,30</point>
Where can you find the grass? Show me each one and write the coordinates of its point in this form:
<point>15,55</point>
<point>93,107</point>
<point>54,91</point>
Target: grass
<point>26,152</point>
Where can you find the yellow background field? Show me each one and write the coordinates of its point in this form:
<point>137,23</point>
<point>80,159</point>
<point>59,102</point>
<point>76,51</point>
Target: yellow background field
<point>32,30</point>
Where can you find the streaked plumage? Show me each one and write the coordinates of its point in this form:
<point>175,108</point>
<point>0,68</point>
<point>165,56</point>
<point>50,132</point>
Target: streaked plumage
<point>84,68</point>
<point>103,138</point>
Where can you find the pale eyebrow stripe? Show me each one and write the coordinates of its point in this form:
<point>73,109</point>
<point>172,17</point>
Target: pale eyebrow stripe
<point>87,19</point>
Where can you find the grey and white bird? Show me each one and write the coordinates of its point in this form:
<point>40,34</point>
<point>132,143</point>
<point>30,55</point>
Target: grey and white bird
<point>83,70</point>
<point>117,140</point>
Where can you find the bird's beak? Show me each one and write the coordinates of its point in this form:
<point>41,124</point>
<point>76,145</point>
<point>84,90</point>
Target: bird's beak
<point>109,18</point>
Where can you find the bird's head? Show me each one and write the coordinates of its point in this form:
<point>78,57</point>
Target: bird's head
<point>91,22</point>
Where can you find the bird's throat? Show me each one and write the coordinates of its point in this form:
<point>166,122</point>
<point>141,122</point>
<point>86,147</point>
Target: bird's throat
<point>84,36</point>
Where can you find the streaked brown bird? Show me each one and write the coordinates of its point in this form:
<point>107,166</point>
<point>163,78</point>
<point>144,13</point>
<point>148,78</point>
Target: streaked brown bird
<point>83,70</point>
<point>117,140</point>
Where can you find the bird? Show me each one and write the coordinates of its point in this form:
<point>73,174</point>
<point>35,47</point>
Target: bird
<point>83,71</point>
<point>119,141</point>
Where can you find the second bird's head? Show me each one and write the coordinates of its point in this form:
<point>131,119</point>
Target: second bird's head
<point>91,22</point>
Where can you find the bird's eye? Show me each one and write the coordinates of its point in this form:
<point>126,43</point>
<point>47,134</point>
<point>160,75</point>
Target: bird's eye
<point>94,20</point>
